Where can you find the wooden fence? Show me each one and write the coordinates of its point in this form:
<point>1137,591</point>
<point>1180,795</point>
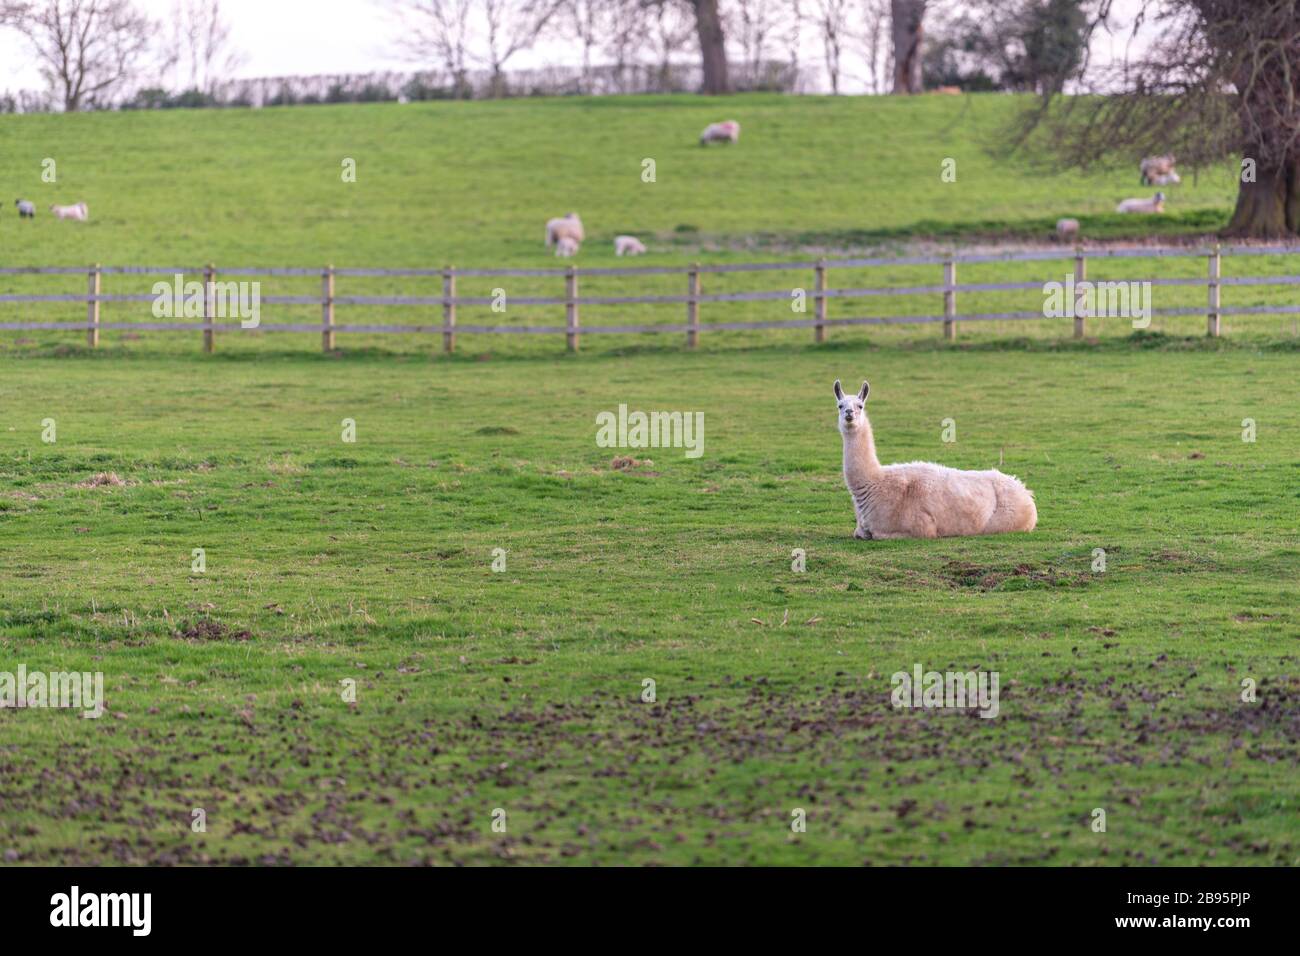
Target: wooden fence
<point>818,271</point>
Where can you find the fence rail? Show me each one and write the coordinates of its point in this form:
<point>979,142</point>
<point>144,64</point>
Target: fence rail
<point>821,295</point>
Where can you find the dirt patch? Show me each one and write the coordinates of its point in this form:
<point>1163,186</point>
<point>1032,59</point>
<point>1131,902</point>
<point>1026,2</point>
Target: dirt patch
<point>1020,577</point>
<point>207,629</point>
<point>1181,561</point>
<point>628,463</point>
<point>102,479</point>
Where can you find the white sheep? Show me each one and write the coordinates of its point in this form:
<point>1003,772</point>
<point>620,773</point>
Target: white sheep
<point>921,499</point>
<point>1067,229</point>
<point>628,245</point>
<point>566,246</point>
<point>1152,167</point>
<point>79,212</point>
<point>1170,178</point>
<point>570,226</point>
<point>724,132</point>
<point>26,208</point>
<point>1152,205</point>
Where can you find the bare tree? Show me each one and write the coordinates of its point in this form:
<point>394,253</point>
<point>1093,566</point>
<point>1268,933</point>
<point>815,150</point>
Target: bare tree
<point>512,26</point>
<point>832,17</point>
<point>668,32</point>
<point>204,43</point>
<point>907,28</point>
<point>626,26</point>
<point>756,21</point>
<point>86,49</point>
<point>875,14</point>
<point>713,46</point>
<point>793,35</point>
<point>440,31</point>
<point>585,22</point>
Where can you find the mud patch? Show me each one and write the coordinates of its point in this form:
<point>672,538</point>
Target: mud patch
<point>207,629</point>
<point>103,479</point>
<point>1020,577</point>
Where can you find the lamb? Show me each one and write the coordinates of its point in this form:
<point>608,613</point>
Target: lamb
<point>725,132</point>
<point>1170,178</point>
<point>1153,168</point>
<point>566,246</point>
<point>628,245</point>
<point>26,209</point>
<point>1153,205</point>
<point>78,212</point>
<point>569,225</point>
<point>921,499</point>
<point>1067,229</point>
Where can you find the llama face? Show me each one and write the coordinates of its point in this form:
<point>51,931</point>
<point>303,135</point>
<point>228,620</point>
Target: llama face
<point>852,408</point>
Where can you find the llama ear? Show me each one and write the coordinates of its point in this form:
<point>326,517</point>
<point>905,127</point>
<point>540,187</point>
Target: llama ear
<point>839,392</point>
<point>863,394</point>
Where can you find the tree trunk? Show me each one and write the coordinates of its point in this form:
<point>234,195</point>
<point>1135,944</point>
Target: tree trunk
<point>907,29</point>
<point>1269,207</point>
<point>713,51</point>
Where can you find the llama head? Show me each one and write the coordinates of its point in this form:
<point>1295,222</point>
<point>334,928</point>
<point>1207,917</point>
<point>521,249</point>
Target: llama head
<point>852,408</point>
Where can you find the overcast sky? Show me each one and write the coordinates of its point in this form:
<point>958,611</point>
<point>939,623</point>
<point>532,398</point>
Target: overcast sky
<point>304,37</point>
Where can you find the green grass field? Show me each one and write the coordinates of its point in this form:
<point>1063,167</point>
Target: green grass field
<point>521,690</point>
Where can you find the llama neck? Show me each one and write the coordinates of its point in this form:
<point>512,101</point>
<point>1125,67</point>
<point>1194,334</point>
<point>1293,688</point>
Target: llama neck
<point>860,461</point>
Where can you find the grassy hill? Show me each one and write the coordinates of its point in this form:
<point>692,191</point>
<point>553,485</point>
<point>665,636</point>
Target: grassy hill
<point>472,183</point>
<point>522,689</point>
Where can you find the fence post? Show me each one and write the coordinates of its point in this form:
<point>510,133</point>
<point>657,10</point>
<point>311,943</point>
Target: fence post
<point>819,302</point>
<point>571,307</point>
<point>209,308</point>
<point>1080,295</point>
<point>1212,322</point>
<point>92,307</point>
<point>693,307</point>
<point>327,309</point>
<point>950,300</point>
<point>449,309</point>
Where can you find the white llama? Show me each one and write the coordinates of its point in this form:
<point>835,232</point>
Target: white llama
<point>921,499</point>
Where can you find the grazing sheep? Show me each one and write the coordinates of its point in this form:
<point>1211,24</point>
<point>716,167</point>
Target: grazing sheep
<point>628,245</point>
<point>1154,166</point>
<point>566,246</point>
<point>1067,229</point>
<point>1155,204</point>
<point>921,499</point>
<point>26,209</point>
<point>79,212</point>
<point>570,226</point>
<point>726,132</point>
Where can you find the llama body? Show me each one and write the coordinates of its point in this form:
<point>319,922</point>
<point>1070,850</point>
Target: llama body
<point>921,499</point>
